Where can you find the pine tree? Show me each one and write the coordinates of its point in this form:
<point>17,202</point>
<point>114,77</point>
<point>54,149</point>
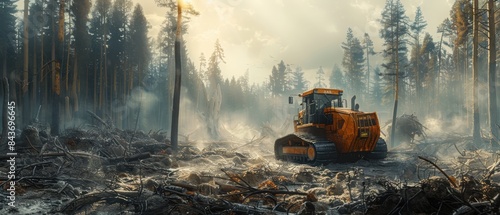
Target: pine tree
<point>417,27</point>
<point>244,81</point>
<point>288,78</point>
<point>368,46</point>
<point>99,30</point>
<point>299,83</point>
<point>320,76</point>
<point>274,83</point>
<point>118,30</point>
<point>7,35</point>
<point>278,83</point>
<point>202,68</point>
<point>140,54</point>
<point>353,63</point>
<point>80,10</point>
<point>393,32</point>
<point>213,71</point>
<point>461,17</point>
<point>445,29</point>
<point>282,87</point>
<point>337,79</point>
<point>428,56</point>
<point>376,92</point>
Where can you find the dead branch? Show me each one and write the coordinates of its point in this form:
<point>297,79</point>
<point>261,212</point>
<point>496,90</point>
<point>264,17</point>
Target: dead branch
<point>451,180</point>
<point>496,202</point>
<point>32,145</point>
<point>236,179</point>
<point>226,188</point>
<point>93,115</point>
<point>88,199</point>
<point>185,185</point>
<point>273,192</point>
<point>135,157</point>
<point>251,142</point>
<point>491,170</point>
<point>35,164</point>
<point>57,154</point>
<point>461,153</point>
<point>199,203</point>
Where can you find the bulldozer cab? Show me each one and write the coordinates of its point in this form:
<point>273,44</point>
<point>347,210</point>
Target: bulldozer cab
<point>314,103</point>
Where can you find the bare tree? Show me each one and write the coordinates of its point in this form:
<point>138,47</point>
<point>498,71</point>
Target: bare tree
<point>25,95</point>
<point>476,130</point>
<point>492,56</point>
<point>177,86</point>
<point>177,55</point>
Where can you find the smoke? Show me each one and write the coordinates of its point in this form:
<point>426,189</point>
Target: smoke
<point>237,126</point>
<point>139,106</point>
<point>436,128</point>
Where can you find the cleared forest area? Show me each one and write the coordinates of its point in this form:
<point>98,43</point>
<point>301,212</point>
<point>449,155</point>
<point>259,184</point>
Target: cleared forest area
<point>101,117</point>
<point>106,169</point>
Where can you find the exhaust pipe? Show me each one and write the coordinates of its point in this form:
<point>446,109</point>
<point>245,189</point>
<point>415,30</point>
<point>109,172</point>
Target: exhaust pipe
<point>353,101</point>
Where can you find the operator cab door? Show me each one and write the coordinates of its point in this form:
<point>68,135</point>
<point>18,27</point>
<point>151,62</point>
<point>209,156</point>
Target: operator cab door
<point>309,107</point>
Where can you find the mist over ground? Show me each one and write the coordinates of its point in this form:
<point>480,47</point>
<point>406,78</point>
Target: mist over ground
<point>88,107</point>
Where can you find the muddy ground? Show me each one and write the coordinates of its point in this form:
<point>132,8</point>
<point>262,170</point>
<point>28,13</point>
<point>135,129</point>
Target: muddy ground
<point>104,170</point>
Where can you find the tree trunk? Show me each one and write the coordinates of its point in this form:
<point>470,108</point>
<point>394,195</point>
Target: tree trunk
<point>55,87</point>
<point>395,109</point>
<point>96,78</point>
<point>25,93</point>
<point>44,79</point>
<point>100,78</point>
<point>418,81</point>
<point>439,65</point>
<point>177,87</point>
<point>66,79</point>
<point>34,102</point>
<point>74,84</point>
<point>367,71</point>
<point>476,130</point>
<point>493,110</point>
<point>3,140</point>
<point>67,111</point>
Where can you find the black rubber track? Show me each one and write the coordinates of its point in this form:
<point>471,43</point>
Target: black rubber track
<point>325,151</point>
<point>380,151</point>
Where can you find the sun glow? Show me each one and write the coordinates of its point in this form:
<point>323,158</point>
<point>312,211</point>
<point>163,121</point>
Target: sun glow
<point>185,3</point>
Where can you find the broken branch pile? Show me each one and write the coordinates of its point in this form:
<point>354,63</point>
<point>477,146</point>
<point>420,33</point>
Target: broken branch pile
<point>105,169</point>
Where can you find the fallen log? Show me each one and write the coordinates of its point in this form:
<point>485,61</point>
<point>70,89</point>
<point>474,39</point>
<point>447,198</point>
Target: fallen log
<point>91,198</point>
<point>135,157</point>
<point>195,202</point>
<point>55,154</point>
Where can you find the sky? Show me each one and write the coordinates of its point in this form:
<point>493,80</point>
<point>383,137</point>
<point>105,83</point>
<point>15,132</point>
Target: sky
<point>257,34</point>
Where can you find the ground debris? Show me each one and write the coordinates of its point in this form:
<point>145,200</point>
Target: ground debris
<point>112,171</point>
<point>433,196</point>
<point>407,128</point>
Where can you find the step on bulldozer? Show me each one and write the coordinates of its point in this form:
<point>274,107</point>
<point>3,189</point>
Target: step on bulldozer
<point>327,131</point>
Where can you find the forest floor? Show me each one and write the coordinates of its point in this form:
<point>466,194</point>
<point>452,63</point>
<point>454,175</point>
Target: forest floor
<point>105,170</point>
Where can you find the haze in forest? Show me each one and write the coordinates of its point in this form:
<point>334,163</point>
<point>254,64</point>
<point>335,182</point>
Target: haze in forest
<point>240,59</point>
<point>256,35</point>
